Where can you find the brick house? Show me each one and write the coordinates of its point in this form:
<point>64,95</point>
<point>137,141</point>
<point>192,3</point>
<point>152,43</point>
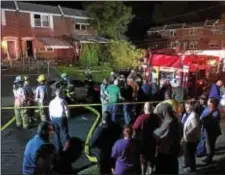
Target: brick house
<point>41,31</point>
<point>207,35</point>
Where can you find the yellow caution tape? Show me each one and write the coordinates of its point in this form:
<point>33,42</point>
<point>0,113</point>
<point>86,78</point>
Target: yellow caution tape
<point>82,105</point>
<point>90,133</point>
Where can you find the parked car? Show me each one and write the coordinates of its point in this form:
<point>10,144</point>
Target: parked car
<point>81,88</point>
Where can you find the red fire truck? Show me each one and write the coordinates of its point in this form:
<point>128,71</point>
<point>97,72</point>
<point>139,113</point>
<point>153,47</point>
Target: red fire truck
<point>186,69</point>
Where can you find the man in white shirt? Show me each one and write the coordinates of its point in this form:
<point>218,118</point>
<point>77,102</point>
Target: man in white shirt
<point>59,114</point>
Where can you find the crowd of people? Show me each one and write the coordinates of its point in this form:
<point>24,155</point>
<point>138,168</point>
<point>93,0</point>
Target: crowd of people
<point>153,136</point>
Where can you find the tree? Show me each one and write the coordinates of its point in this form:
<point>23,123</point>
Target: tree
<point>124,54</point>
<point>111,18</point>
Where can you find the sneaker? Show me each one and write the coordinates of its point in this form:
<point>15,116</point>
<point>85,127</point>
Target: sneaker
<point>18,126</point>
<point>189,170</point>
<point>207,160</point>
<point>184,166</point>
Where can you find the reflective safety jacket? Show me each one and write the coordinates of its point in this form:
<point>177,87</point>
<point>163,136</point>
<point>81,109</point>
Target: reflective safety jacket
<point>20,96</point>
<point>41,94</point>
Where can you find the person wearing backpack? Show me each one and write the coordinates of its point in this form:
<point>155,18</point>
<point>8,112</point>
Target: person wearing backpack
<point>42,97</point>
<point>20,101</point>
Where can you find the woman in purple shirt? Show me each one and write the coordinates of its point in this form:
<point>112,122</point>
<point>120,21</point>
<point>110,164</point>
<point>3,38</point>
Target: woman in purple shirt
<point>126,153</point>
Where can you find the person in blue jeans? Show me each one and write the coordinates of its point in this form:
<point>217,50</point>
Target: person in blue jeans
<point>59,114</point>
<point>211,124</point>
<point>103,96</point>
<point>114,95</point>
<point>127,108</point>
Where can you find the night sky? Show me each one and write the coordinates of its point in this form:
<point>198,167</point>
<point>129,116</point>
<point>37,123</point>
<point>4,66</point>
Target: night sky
<point>144,12</point>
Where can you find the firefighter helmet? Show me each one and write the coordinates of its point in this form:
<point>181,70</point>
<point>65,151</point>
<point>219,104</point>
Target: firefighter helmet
<point>18,79</point>
<point>64,75</point>
<point>41,78</point>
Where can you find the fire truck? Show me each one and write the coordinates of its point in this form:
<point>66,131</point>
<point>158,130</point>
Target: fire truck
<point>189,70</point>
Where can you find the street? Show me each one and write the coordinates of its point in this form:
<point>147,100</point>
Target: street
<point>13,140</point>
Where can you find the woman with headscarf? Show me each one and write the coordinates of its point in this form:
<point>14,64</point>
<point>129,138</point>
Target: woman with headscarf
<point>168,137</point>
<point>126,154</point>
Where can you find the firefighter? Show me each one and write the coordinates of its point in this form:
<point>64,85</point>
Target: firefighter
<point>68,89</point>
<point>20,101</point>
<point>30,97</point>
<point>42,97</point>
<point>88,74</point>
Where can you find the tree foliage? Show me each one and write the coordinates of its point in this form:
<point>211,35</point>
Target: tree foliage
<point>124,54</point>
<point>111,18</point>
<point>89,55</point>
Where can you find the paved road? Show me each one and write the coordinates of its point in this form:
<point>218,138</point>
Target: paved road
<point>13,140</point>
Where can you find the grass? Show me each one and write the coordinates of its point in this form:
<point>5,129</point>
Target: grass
<point>93,170</point>
<point>99,72</point>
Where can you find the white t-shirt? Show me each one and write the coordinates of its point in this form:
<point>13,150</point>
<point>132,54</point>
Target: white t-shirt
<point>58,108</point>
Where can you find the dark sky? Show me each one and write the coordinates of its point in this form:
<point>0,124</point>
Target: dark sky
<point>144,11</point>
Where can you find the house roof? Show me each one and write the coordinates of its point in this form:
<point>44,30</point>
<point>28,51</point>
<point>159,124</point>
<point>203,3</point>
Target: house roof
<point>156,28</point>
<point>194,24</point>
<point>55,43</point>
<point>183,25</point>
<point>174,26</point>
<point>38,7</point>
<point>210,22</point>
<point>90,38</point>
<point>43,8</point>
<point>8,5</point>
<point>77,20</point>
<point>74,12</point>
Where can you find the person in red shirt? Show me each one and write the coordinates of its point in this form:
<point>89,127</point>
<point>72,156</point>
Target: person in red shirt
<point>144,127</point>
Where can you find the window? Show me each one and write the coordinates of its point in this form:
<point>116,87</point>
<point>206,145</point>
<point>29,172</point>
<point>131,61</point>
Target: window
<point>193,44</point>
<point>192,31</point>
<point>41,20</point>
<point>81,26</point>
<point>215,44</point>
<point>172,33</point>
<point>77,26</point>
<point>3,17</point>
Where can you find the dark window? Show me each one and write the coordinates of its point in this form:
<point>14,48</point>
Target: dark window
<point>77,26</point>
<point>83,27</point>
<point>37,20</point>
<point>49,49</point>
